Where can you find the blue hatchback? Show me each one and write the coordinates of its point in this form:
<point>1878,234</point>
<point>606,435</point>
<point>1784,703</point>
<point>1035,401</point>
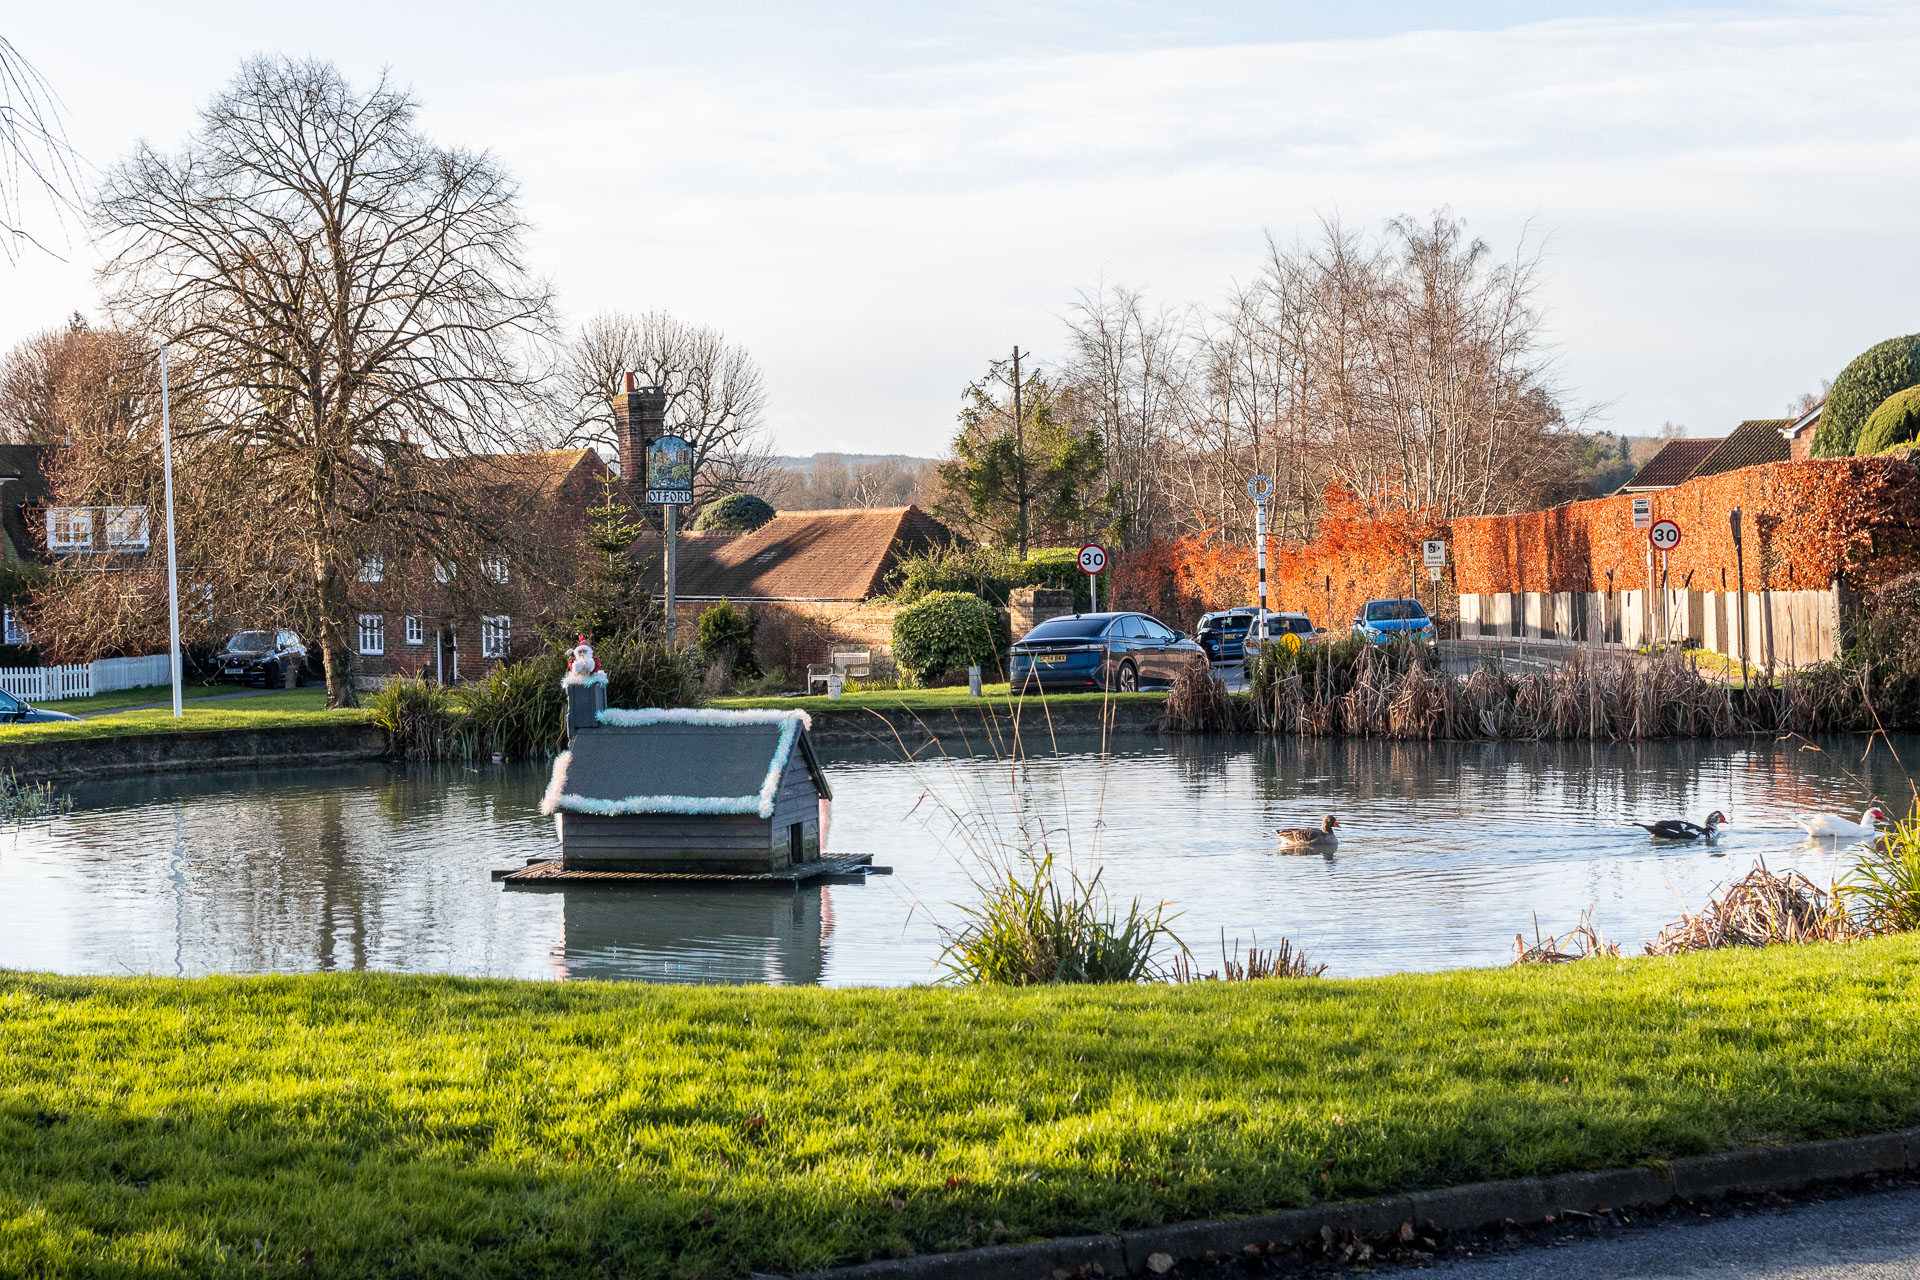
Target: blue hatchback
<point>1383,620</point>
<point>1124,652</point>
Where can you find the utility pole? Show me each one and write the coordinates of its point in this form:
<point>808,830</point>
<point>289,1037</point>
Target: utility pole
<point>173,571</point>
<point>1020,451</point>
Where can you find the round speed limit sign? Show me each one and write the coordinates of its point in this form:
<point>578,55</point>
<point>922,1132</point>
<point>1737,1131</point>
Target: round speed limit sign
<point>1664,535</point>
<point>1093,558</point>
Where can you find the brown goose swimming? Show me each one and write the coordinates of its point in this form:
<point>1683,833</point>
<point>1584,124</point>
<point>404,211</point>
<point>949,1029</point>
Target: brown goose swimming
<point>1319,839</point>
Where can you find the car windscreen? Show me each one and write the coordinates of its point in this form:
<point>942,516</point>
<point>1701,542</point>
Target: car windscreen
<point>1070,629</point>
<point>1394,611</point>
<point>10,705</point>
<point>250,642</point>
<point>1231,621</point>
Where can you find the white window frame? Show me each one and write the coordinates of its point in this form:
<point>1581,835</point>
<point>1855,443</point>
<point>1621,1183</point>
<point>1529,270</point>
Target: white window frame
<point>69,528</point>
<point>127,528</point>
<point>442,572</point>
<point>15,633</point>
<point>496,635</point>
<point>495,569</point>
<point>416,629</point>
<point>373,634</point>
<point>373,569</point>
<point>202,592</point>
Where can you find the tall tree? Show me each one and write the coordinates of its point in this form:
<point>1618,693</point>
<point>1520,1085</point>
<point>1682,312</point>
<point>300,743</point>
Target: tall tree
<point>1022,468</point>
<point>352,323</point>
<point>37,165</point>
<point>716,397</point>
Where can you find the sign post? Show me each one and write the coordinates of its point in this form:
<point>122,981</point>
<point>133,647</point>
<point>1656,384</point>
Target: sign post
<point>173,568</point>
<point>1260,488</point>
<point>670,483</point>
<point>1433,553</point>
<point>1663,537</point>
<point>1093,559</point>
<point>1740,585</point>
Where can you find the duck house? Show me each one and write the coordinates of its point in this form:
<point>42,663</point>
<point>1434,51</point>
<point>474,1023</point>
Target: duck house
<point>728,792</point>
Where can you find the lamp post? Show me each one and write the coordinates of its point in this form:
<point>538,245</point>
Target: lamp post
<point>173,568</point>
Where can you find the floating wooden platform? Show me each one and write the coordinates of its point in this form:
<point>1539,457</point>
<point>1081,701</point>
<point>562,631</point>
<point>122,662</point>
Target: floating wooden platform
<point>550,872</point>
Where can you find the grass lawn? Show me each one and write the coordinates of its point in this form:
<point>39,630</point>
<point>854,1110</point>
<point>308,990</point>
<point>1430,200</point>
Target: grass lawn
<point>286,707</point>
<point>136,697</point>
<point>395,1126</point>
<point>996,696</point>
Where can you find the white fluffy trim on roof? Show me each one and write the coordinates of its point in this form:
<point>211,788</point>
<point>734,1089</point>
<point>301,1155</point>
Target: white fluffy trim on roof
<point>790,722</point>
<point>598,677</point>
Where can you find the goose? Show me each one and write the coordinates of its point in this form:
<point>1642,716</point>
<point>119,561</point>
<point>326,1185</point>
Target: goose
<point>1831,826</point>
<point>1681,829</point>
<point>1320,838</point>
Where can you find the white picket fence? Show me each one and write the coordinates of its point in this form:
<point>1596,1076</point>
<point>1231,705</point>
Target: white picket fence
<point>84,679</point>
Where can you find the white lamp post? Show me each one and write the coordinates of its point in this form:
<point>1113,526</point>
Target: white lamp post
<point>173,572</point>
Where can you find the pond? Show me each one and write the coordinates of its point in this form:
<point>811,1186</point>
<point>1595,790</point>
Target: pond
<point>1447,851</point>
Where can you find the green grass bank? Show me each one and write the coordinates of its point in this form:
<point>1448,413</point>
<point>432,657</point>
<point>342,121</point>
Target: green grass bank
<point>288,708</point>
<point>394,1126</point>
<point>993,696</point>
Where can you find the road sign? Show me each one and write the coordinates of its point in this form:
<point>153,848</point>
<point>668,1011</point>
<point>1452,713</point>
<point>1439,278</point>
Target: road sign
<point>1433,573</point>
<point>1093,558</point>
<point>670,472</point>
<point>1665,535</point>
<point>1433,553</point>
<point>1642,512</point>
<point>1260,488</point>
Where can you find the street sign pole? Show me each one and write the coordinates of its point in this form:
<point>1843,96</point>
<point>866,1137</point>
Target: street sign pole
<point>673,594</point>
<point>173,566</point>
<point>670,483</point>
<point>1093,559</point>
<point>1260,488</point>
<point>1740,584</point>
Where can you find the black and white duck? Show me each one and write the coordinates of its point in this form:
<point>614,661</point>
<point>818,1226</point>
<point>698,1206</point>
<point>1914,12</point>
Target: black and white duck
<point>1681,829</point>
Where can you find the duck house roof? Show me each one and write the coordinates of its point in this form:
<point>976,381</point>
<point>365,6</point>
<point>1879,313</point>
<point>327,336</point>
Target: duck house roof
<point>680,762</point>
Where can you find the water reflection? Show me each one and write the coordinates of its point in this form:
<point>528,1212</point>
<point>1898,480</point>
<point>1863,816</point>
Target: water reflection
<point>1447,850</point>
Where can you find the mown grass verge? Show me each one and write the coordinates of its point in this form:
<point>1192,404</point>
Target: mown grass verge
<point>120,699</point>
<point>285,708</point>
<point>948,699</point>
<point>387,1126</point>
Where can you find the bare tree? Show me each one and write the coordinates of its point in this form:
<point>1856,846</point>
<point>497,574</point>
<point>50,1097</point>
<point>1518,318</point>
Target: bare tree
<point>63,382</point>
<point>716,397</point>
<point>36,161</point>
<point>352,323</point>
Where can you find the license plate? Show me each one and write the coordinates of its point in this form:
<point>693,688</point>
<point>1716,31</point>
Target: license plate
<point>236,671</point>
<point>1051,657</point>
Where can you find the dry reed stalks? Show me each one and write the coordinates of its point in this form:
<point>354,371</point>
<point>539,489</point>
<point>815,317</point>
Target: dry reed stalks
<point>1760,910</point>
<point>1276,962</point>
<point>1582,942</point>
<point>1198,701</point>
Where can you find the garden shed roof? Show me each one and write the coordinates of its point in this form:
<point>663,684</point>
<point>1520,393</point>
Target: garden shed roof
<point>682,762</point>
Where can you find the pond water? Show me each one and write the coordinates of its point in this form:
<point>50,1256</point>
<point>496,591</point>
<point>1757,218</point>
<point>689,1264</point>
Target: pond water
<point>1447,851</point>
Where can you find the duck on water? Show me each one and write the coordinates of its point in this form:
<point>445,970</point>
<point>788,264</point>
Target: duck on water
<point>1318,839</point>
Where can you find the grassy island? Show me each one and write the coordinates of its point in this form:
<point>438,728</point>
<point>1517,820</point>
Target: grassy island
<point>364,1125</point>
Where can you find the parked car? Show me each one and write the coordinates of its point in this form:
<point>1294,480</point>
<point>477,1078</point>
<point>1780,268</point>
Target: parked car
<point>1383,620</point>
<point>14,711</point>
<point>262,658</point>
<point>1119,651</point>
<point>1224,634</point>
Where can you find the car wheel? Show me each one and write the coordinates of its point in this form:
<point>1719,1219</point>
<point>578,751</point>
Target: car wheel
<point>1129,678</point>
<point>300,675</point>
<point>270,676</point>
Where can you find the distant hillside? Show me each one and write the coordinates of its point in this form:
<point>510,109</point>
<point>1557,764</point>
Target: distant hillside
<point>824,481</point>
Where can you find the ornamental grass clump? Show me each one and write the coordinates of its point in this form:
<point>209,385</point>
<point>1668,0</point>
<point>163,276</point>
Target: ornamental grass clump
<point>1882,892</point>
<point>1037,924</point>
<point>420,720</point>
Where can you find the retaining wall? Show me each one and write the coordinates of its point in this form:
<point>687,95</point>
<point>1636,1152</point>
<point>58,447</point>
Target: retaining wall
<point>62,760</point>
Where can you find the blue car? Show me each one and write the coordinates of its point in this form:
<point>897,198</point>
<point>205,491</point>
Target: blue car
<point>1381,621</point>
<point>1124,652</point>
<point>1224,634</point>
<point>14,711</point>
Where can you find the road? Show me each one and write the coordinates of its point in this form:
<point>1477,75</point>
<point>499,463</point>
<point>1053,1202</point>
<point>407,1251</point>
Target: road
<point>1866,1237</point>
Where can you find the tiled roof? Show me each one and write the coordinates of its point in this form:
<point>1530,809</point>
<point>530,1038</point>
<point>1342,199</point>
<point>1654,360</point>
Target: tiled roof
<point>1753,443</point>
<point>542,471</point>
<point>801,555</point>
<point>1671,465</point>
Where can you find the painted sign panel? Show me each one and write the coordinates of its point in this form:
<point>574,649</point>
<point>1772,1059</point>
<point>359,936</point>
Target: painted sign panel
<point>670,472</point>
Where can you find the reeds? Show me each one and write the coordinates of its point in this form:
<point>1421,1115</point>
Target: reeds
<point>1582,942</point>
<point>1037,924</point>
<point>1882,892</point>
<point>1256,966</point>
<point>1761,909</point>
<point>30,801</point>
<point>1198,701</point>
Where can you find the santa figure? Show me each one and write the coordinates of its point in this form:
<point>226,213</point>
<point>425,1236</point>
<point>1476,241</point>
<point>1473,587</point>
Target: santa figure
<point>582,663</point>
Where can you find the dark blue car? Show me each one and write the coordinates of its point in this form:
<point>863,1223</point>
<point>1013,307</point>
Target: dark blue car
<point>1123,652</point>
<point>1224,634</point>
<point>1381,621</point>
<point>14,711</point>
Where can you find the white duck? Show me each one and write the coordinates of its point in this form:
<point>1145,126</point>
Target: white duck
<point>1831,826</point>
<point>1318,839</point>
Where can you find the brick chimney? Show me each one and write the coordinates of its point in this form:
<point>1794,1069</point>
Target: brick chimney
<point>639,418</point>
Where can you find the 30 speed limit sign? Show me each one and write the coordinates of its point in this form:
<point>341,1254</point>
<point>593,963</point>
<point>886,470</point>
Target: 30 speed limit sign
<point>1093,558</point>
<point>1664,535</point>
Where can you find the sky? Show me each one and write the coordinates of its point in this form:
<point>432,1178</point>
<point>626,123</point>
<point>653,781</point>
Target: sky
<point>876,199</point>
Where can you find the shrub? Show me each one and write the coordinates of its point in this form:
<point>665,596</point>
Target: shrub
<point>1883,889</point>
<point>741,511</point>
<point>942,632</point>
<point>726,637</point>
<point>988,572</point>
<point>1896,422</point>
<point>420,721</point>
<point>1875,374</point>
<point>1030,929</point>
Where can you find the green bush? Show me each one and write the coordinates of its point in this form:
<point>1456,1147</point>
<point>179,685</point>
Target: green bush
<point>1895,423</point>
<point>726,635</point>
<point>1875,374</point>
<point>945,631</point>
<point>742,511</point>
<point>988,572</point>
<point>420,720</point>
<point>1030,929</point>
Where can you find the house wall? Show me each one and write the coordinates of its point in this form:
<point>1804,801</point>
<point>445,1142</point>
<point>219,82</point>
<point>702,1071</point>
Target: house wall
<point>792,634</point>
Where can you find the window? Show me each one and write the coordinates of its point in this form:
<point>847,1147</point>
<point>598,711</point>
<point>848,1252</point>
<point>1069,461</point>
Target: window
<point>496,633</point>
<point>15,633</point>
<point>126,528</point>
<point>416,629</point>
<point>442,572</point>
<point>69,529</point>
<point>1071,628</point>
<point>201,594</point>
<point>496,570</point>
<point>373,634</point>
<point>373,569</point>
